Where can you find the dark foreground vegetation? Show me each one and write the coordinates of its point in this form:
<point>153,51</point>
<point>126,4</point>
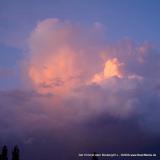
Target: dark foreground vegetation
<point>15,153</point>
<point>4,153</point>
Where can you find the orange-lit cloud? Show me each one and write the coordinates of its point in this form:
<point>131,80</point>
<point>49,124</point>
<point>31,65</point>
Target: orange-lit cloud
<point>56,74</point>
<point>73,63</point>
<point>64,56</point>
<point>111,69</point>
<point>61,59</point>
<point>76,78</point>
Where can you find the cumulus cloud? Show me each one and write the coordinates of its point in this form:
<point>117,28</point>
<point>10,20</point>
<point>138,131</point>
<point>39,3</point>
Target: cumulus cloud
<point>61,54</point>
<point>78,80</point>
<point>80,88</point>
<point>75,63</point>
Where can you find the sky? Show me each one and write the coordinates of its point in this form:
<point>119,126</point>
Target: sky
<point>79,76</point>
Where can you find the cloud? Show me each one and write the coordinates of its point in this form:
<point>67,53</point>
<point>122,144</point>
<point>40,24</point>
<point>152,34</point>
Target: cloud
<point>75,63</point>
<point>78,83</point>
<point>65,54</point>
<point>45,126</point>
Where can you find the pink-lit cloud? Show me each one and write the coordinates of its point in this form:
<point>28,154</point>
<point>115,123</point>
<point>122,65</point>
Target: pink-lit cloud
<point>76,77</point>
<point>70,61</point>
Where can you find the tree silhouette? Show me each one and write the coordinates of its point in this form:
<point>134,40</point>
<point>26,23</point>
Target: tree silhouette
<point>4,155</point>
<point>15,153</point>
<point>94,157</point>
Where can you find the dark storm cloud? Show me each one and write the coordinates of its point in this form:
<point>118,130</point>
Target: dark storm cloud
<point>42,134</point>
